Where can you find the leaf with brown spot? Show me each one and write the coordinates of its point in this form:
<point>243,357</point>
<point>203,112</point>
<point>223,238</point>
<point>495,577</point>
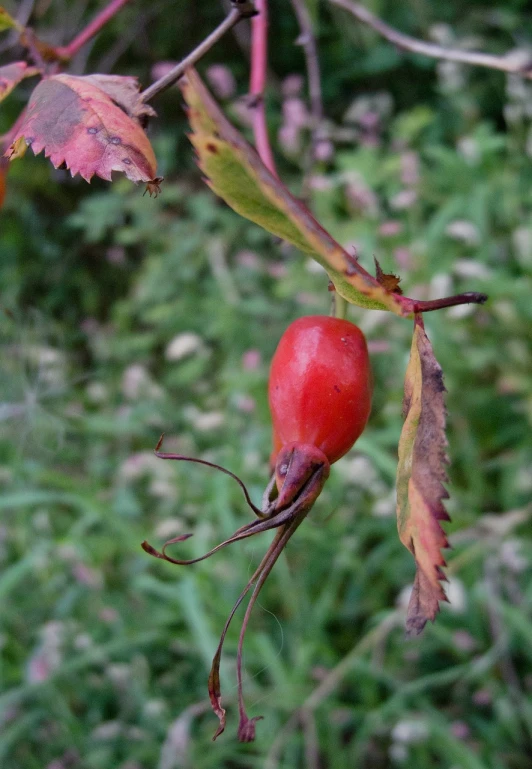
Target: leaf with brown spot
<point>387,279</point>
<point>420,478</point>
<point>12,74</point>
<point>77,123</point>
<point>236,173</point>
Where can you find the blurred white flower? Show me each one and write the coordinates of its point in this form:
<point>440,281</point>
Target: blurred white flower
<point>204,421</point>
<point>403,200</point>
<point>511,555</point>
<point>292,85</point>
<point>522,242</point>
<point>469,149</point>
<point>107,731</point>
<point>137,383</point>
<point>97,392</point>
<point>182,345</point>
<point>408,731</point>
<point>162,474</point>
<point>456,593</point>
<point>463,230</point>
<point>221,80</point>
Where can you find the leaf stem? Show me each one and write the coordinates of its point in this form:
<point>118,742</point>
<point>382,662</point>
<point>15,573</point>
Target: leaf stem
<point>470,297</point>
<point>68,51</point>
<point>257,84</point>
<point>241,9</point>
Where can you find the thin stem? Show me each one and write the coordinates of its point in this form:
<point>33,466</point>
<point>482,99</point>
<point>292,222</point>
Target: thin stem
<point>246,729</point>
<point>239,11</point>
<point>214,676</point>
<point>518,63</point>
<point>70,50</point>
<point>180,457</point>
<point>257,84</point>
<point>339,306</point>
<point>470,297</point>
<point>310,49</point>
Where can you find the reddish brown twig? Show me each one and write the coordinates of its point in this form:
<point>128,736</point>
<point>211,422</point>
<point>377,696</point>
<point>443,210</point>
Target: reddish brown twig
<point>66,52</point>
<point>307,41</point>
<point>470,297</point>
<point>257,84</point>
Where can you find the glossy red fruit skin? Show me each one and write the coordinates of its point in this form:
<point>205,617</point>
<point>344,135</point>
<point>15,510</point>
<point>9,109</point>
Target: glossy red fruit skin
<point>320,385</point>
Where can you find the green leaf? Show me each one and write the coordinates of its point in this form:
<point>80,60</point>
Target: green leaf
<point>7,21</point>
<point>420,478</point>
<point>236,173</point>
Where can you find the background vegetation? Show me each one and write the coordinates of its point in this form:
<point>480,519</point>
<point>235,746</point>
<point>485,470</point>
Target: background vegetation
<point>123,316</point>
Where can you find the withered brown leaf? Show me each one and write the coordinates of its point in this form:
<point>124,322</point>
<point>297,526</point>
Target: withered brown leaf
<point>420,478</point>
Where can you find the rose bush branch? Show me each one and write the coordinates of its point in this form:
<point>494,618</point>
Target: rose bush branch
<point>66,52</point>
<point>516,62</point>
<point>240,10</point>
<point>257,84</point>
<point>307,40</point>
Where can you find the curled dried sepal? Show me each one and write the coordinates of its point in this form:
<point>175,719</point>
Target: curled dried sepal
<point>300,473</point>
<point>153,187</point>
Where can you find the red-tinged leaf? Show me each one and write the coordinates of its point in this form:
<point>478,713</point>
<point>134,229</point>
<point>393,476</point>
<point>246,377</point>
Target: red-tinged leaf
<point>77,123</point>
<point>236,173</point>
<point>12,74</point>
<point>420,478</point>
<point>124,91</point>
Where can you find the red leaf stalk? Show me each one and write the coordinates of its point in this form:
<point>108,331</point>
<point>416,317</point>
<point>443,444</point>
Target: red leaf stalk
<point>70,50</point>
<point>257,83</point>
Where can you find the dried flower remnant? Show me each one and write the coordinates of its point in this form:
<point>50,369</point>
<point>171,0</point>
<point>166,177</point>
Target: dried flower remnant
<point>286,503</point>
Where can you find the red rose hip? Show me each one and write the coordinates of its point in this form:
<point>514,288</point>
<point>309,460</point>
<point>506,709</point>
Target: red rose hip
<point>320,386</point>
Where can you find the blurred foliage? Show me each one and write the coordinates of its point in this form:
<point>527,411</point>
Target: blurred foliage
<point>123,316</point>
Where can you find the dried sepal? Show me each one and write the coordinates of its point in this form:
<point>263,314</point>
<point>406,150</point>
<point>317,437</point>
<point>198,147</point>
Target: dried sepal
<point>388,280</point>
<point>298,480</point>
<point>153,187</point>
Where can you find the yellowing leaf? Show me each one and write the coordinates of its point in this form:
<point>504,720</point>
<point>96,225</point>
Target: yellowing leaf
<point>236,173</point>
<point>12,74</point>
<point>420,478</point>
<point>7,21</point>
<point>77,123</point>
